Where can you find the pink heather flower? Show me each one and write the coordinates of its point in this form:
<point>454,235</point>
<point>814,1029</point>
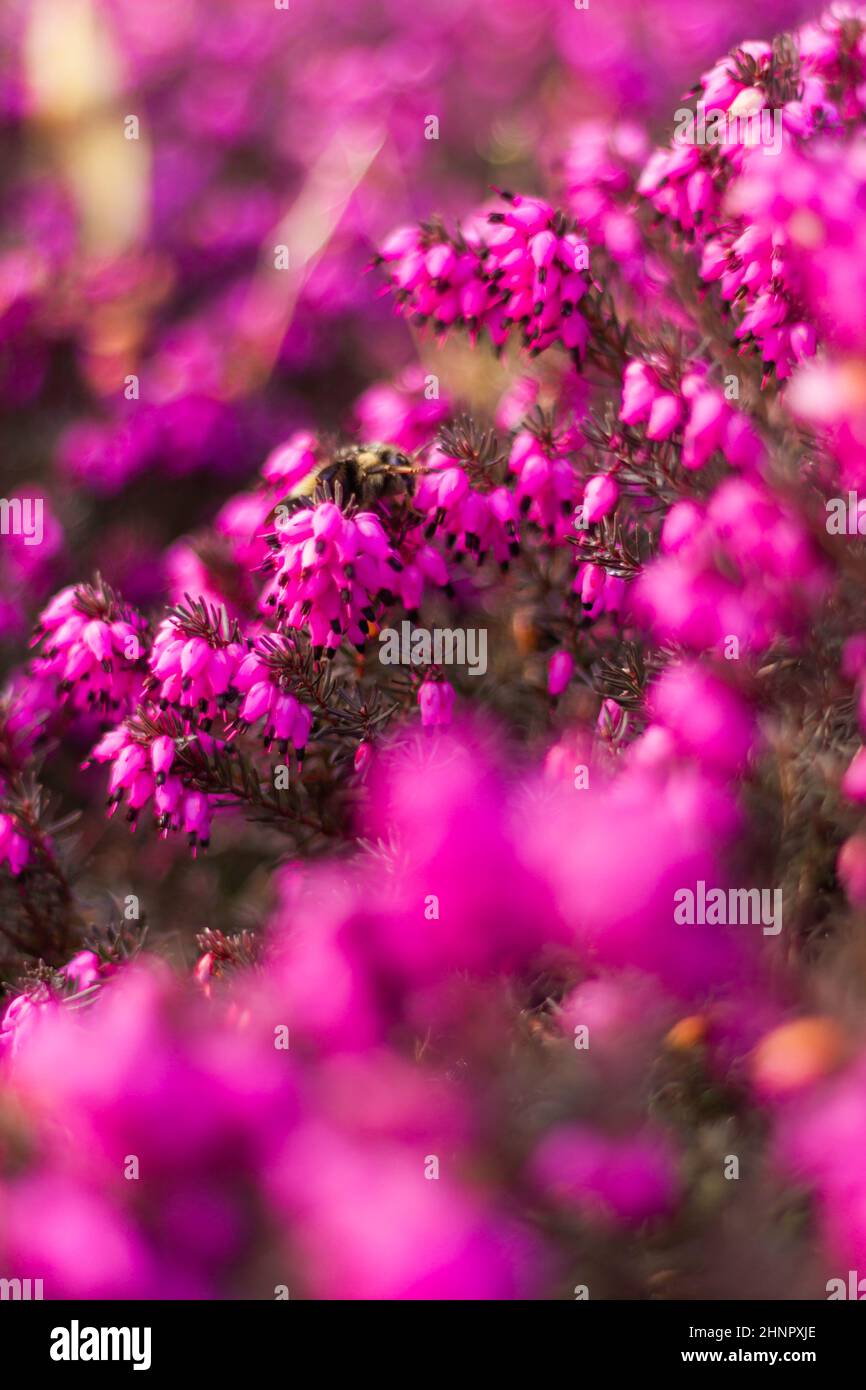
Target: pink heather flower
<point>615,1010</point>
<point>516,403</point>
<point>363,753</point>
<point>709,720</point>
<point>196,817</point>
<point>436,702</point>
<point>569,755</point>
<point>773,579</point>
<point>612,720</point>
<point>463,828</point>
<point>323,978</point>
<point>626,1181</point>
<point>104,456</point>
<point>765,270</point>
<point>472,523</point>
<point>244,521</point>
<point>598,172</point>
<point>461,836</point>
<point>22,1012</point>
<point>143,1072</point>
<point>640,386</point>
<point>77,1236</point>
<point>25,709</point>
<point>332,574</point>
<point>14,847</point>
<point>85,969</point>
<point>709,422</point>
<point>547,488</point>
<point>520,266</point>
<point>705,429</point>
<point>187,573</point>
<point>408,1240</point>
<point>290,463</point>
<point>600,591</point>
<point>130,772</point>
<point>678,181</point>
<point>820,1141</point>
<point>681,524</point>
<point>93,646</point>
<point>194,662</point>
<point>559,672</point>
<point>266,695</point>
<point>204,970</point>
<point>851,868</point>
<point>600,496</point>
<point>407,413</point>
<point>822,252</point>
<point>665,415</point>
<point>672,823</point>
<point>19,1017</point>
<point>655,749</point>
<point>736,202</point>
<point>141,773</point>
<point>854,780</point>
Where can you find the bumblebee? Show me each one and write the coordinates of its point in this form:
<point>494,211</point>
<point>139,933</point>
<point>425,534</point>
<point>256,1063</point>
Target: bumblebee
<point>362,474</point>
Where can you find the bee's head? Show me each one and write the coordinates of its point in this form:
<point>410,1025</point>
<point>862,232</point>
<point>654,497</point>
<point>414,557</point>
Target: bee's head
<point>382,456</point>
<point>384,471</point>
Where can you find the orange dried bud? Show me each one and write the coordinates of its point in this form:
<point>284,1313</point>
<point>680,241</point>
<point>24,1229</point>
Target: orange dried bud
<point>797,1054</point>
<point>524,632</point>
<point>688,1033</point>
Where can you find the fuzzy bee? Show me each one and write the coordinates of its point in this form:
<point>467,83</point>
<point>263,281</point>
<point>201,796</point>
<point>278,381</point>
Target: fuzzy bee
<point>360,473</point>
